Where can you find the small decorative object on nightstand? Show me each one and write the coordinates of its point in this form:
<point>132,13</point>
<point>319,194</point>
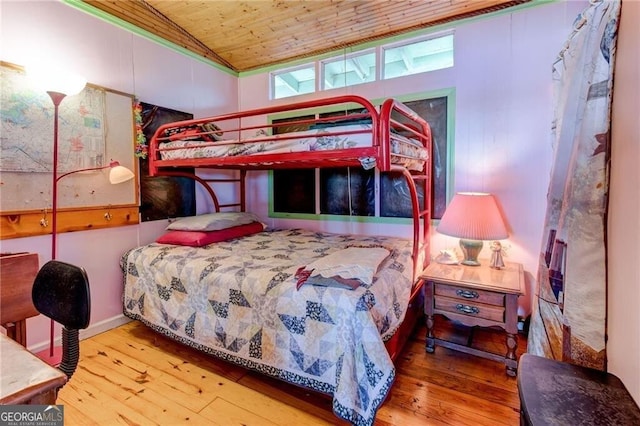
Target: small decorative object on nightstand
<point>496,255</point>
<point>475,296</point>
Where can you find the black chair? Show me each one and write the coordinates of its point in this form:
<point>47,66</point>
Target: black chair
<point>61,292</point>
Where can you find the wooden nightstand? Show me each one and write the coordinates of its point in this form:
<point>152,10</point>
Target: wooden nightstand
<point>475,296</point>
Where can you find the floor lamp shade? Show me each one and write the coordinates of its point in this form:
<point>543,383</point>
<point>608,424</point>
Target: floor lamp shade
<point>473,217</point>
<point>51,79</point>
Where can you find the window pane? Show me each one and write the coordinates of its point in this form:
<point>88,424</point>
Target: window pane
<point>294,191</point>
<point>395,199</point>
<point>435,112</point>
<point>335,197</point>
<point>423,56</point>
<point>341,72</point>
<point>287,125</point>
<point>293,82</point>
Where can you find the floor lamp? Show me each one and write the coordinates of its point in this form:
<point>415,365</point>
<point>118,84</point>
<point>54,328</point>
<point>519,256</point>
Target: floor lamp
<point>58,84</point>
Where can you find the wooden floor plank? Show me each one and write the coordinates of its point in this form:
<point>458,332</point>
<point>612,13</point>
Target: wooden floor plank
<point>96,405</point>
<point>192,397</point>
<point>313,403</point>
<point>233,415</point>
<point>268,407</point>
<point>134,394</point>
<point>75,405</point>
<point>146,338</point>
<point>132,375</point>
<point>181,364</point>
<point>444,404</point>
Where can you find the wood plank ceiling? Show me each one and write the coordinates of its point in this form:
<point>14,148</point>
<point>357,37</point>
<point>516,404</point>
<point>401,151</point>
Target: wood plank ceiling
<point>251,34</point>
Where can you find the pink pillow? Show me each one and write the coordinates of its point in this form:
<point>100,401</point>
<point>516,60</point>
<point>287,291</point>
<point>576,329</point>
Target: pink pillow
<point>202,238</point>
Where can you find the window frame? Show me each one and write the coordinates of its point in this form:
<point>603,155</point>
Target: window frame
<point>346,57</point>
<point>274,74</point>
<point>442,195</point>
<point>318,65</point>
<point>408,42</point>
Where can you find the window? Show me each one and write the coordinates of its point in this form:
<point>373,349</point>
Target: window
<point>353,191</point>
<point>293,82</point>
<point>298,194</point>
<point>348,70</point>
<point>416,57</point>
<point>398,59</point>
<point>347,191</point>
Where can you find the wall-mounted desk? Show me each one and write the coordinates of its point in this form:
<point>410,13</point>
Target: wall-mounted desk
<point>25,378</point>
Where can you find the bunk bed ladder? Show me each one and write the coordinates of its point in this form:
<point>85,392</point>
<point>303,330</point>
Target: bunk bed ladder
<point>206,185</point>
<point>241,182</point>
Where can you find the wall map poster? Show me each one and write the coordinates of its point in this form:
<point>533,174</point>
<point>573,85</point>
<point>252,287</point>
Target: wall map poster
<point>26,132</point>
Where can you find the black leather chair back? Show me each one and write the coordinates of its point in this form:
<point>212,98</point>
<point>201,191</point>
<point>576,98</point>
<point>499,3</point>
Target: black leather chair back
<point>61,292</point>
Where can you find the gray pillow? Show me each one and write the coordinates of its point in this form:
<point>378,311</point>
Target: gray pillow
<point>212,221</point>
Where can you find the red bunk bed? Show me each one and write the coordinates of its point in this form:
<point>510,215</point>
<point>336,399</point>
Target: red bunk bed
<point>292,304</point>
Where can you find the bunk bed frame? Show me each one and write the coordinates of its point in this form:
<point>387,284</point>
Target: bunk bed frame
<point>383,125</point>
<point>393,124</point>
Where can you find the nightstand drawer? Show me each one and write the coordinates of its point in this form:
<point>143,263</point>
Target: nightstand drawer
<point>470,295</point>
<point>468,308</point>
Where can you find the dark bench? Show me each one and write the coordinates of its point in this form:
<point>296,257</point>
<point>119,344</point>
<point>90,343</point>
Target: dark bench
<point>559,393</point>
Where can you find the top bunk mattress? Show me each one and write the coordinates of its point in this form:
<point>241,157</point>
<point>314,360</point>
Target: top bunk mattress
<point>405,151</point>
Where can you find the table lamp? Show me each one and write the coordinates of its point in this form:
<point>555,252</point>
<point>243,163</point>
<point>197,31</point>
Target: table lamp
<point>473,217</point>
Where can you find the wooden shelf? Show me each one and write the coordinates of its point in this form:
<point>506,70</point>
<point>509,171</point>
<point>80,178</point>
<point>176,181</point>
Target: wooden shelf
<point>29,224</point>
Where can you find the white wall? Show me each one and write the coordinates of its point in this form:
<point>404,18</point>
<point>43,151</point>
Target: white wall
<point>502,79</point>
<point>623,287</point>
<point>115,59</point>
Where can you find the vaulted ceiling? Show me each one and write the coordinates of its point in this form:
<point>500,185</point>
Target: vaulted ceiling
<point>252,34</point>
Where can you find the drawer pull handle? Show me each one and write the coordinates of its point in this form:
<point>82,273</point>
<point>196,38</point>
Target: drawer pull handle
<point>467,309</point>
<point>467,294</point>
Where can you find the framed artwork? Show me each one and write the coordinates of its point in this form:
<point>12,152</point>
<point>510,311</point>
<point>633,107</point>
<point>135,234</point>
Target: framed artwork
<point>163,197</point>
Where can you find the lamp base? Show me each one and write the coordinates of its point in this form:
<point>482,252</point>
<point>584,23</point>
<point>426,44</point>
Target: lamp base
<point>471,249</point>
<point>53,360</point>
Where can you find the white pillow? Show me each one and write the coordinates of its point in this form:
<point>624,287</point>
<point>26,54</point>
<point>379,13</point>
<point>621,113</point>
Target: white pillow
<point>212,221</point>
<point>359,263</point>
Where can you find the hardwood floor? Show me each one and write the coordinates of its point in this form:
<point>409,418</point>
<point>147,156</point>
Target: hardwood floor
<point>133,376</point>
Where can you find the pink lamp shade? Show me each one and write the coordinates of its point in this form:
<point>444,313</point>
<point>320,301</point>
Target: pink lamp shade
<point>473,217</point>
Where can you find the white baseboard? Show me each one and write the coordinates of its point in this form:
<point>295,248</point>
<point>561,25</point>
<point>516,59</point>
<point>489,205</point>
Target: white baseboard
<point>92,330</point>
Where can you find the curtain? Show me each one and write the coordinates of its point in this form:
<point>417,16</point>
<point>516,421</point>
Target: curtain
<point>569,315</point>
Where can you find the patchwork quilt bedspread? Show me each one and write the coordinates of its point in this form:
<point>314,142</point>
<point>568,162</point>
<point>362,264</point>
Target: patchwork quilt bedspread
<point>238,300</point>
